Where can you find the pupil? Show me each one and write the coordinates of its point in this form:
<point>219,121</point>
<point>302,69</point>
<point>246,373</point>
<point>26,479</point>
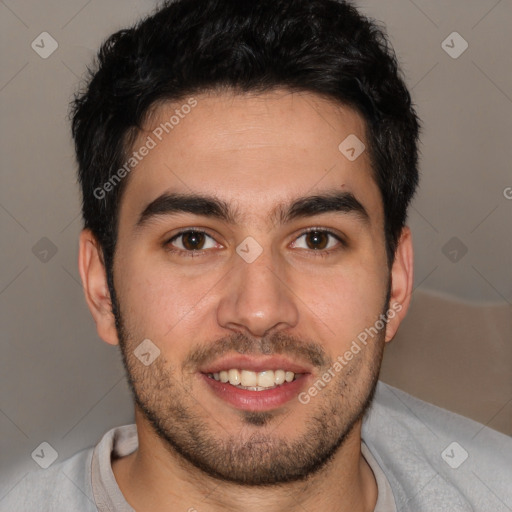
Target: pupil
<point>192,240</point>
<point>317,237</point>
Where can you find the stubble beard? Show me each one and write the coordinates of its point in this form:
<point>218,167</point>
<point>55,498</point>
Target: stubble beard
<point>255,455</point>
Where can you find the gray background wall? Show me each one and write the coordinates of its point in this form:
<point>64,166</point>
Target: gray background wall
<point>59,382</point>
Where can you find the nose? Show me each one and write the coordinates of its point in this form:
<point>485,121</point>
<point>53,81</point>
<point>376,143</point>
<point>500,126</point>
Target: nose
<point>257,298</point>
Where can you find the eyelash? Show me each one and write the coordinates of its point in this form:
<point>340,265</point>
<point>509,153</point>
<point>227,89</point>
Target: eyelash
<point>200,252</point>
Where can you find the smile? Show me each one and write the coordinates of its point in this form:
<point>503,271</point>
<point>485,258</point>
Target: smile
<point>254,381</point>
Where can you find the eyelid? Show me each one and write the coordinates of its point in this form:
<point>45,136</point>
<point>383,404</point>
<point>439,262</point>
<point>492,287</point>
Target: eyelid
<point>326,231</point>
<point>196,252</point>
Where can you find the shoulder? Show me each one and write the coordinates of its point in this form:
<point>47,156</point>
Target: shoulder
<point>436,458</point>
<point>64,486</point>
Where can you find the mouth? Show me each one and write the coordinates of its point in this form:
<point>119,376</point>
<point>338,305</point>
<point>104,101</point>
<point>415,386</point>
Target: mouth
<point>256,385</point>
<point>254,381</point>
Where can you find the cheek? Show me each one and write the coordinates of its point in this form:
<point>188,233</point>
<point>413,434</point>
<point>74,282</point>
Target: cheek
<point>164,302</point>
<point>347,301</point>
<point>161,300</point>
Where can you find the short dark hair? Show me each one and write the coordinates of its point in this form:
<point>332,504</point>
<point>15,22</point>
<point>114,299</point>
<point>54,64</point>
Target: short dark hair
<point>192,46</point>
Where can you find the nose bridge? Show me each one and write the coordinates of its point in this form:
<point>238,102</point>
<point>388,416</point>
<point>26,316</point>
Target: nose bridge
<point>256,297</point>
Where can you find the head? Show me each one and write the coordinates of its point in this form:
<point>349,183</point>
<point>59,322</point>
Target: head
<point>229,117</point>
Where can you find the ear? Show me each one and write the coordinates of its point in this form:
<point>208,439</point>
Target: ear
<point>402,277</point>
<point>94,280</point>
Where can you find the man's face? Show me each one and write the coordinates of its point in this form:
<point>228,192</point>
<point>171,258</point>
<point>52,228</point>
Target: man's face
<point>253,291</point>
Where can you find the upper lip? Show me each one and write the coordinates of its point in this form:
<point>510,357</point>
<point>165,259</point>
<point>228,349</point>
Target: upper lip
<point>255,364</point>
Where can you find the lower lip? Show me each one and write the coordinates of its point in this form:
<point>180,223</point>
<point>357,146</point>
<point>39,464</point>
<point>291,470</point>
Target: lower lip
<point>257,400</point>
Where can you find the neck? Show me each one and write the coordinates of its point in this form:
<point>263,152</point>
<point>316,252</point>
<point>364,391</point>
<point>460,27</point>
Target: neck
<point>155,478</point>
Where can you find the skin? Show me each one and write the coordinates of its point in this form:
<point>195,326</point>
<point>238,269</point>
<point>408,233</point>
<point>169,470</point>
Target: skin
<point>254,152</point>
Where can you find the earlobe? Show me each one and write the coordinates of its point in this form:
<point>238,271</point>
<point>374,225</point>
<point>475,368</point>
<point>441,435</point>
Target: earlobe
<point>94,281</point>
<point>402,277</point>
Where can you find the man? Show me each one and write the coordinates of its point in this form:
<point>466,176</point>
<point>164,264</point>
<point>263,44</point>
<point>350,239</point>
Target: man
<point>246,168</point>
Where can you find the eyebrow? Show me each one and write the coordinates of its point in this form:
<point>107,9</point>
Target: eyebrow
<point>209,206</point>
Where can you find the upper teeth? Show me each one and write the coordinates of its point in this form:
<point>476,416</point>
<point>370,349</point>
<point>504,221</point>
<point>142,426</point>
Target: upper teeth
<point>248,379</point>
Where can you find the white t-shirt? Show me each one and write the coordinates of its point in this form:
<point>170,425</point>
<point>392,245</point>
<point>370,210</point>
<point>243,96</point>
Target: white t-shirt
<point>425,459</point>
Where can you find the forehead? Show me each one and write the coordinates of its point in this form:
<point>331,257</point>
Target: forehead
<point>252,151</point>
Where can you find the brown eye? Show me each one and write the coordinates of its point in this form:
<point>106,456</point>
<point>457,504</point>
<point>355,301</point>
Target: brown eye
<point>190,241</point>
<point>317,240</point>
<point>193,240</point>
